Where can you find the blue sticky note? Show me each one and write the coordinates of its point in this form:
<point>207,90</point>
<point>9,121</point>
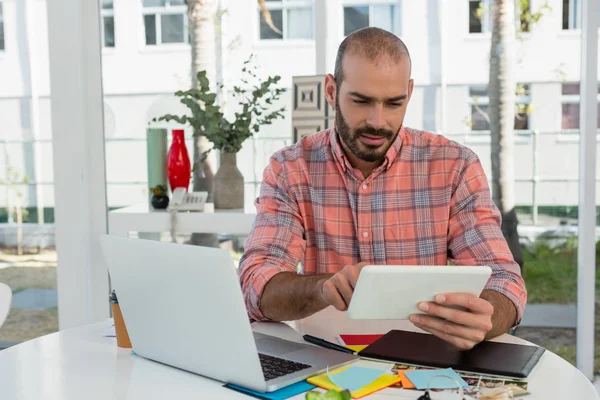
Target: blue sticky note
<point>355,377</point>
<point>281,394</point>
<point>421,378</point>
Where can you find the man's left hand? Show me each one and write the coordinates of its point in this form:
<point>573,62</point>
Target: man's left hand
<point>464,329</point>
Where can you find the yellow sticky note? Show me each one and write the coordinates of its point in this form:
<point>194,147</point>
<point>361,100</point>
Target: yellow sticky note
<point>382,382</point>
<point>356,348</point>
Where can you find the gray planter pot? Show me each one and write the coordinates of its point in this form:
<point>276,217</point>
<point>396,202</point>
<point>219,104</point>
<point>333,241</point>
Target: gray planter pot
<point>228,184</point>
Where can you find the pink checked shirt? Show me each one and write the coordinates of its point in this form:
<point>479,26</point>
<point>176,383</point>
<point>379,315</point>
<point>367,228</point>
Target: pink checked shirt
<point>428,203</point>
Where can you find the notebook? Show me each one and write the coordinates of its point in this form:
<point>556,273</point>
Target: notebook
<point>491,358</point>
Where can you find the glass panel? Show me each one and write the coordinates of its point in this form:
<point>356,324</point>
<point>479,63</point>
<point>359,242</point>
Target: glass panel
<point>1,28</point>
<point>109,31</point>
<point>478,91</point>
<point>570,116</point>
<point>172,28</point>
<point>177,2</point>
<point>107,4</point>
<point>521,121</point>
<point>565,14</point>
<point>355,18</point>
<point>299,23</point>
<point>154,3</point>
<point>150,27</point>
<point>27,251</point>
<point>383,17</point>
<point>479,123</point>
<point>570,88</point>
<point>474,21</point>
<point>265,30</point>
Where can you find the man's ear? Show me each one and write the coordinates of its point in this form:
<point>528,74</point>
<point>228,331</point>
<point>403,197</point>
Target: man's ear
<point>411,85</point>
<point>330,90</point>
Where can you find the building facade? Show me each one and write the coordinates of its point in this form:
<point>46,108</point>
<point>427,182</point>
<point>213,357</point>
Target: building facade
<point>146,57</point>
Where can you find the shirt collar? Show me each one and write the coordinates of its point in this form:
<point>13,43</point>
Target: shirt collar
<point>340,156</point>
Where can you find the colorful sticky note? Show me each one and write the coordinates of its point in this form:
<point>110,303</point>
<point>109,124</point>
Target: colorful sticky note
<point>281,394</point>
<point>356,348</point>
<point>384,380</point>
<point>406,383</point>
<point>439,379</point>
<point>354,377</point>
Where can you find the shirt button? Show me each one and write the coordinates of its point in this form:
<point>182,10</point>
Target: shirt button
<point>364,186</point>
<point>365,234</point>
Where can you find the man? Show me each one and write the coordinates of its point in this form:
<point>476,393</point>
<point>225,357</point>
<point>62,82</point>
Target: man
<point>370,191</point>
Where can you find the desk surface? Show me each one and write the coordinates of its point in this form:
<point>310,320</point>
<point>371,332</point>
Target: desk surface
<point>82,364</point>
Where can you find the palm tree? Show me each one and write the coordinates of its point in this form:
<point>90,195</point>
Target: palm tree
<point>501,94</point>
<point>202,16</point>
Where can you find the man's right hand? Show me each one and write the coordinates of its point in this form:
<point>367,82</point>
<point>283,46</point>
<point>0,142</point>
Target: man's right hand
<point>337,290</point>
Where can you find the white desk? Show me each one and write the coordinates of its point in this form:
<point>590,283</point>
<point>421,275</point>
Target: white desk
<point>82,364</point>
<point>142,218</point>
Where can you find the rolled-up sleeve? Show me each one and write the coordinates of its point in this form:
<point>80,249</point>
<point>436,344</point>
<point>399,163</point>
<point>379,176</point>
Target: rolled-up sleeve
<point>276,242</point>
<point>475,235</point>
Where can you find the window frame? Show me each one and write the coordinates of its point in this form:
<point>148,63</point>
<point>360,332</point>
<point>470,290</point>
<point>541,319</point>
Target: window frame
<point>370,4</point>
<point>158,12</point>
<point>284,6</point>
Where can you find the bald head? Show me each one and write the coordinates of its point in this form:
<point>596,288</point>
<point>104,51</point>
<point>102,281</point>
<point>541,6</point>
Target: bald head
<point>371,43</point>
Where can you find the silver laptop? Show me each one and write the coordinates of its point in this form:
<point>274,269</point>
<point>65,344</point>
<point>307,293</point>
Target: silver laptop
<point>183,306</point>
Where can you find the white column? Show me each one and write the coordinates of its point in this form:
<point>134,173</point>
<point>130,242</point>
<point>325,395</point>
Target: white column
<point>31,30</point>
<point>586,272</point>
<point>329,33</point>
<point>78,152</point>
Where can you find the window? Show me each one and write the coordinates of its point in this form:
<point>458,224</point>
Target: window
<point>480,19</point>
<point>480,16</point>
<point>570,106</point>
<point>1,28</point>
<point>108,23</point>
<point>293,18</point>
<point>571,14</point>
<point>165,21</point>
<point>361,16</point>
<point>479,101</point>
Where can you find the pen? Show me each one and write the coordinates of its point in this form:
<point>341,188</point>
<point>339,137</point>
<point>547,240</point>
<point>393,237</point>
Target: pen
<point>326,344</point>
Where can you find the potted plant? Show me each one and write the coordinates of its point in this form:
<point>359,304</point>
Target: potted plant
<point>228,134</point>
<point>159,199</point>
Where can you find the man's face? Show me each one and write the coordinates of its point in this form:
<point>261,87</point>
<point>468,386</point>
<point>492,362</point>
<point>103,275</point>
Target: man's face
<point>370,105</point>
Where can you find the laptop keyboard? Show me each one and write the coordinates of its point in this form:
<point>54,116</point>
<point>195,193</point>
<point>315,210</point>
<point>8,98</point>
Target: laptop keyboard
<point>274,367</point>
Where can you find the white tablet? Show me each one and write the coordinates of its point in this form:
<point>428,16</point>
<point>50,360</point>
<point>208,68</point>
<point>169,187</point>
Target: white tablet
<point>393,291</point>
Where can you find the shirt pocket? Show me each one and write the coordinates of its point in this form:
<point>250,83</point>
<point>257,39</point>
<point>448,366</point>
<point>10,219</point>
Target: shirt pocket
<point>417,244</point>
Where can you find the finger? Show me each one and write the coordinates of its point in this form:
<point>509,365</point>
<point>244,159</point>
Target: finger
<point>333,296</point>
<point>473,303</point>
<point>344,287</point>
<point>351,274</point>
<point>460,343</point>
<point>450,328</point>
<point>477,321</point>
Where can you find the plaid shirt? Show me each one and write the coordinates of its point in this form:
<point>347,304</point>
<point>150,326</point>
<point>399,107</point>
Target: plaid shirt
<point>428,203</point>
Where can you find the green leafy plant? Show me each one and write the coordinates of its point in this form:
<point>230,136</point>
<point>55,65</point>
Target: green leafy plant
<point>207,118</point>
<point>159,190</point>
<point>329,395</point>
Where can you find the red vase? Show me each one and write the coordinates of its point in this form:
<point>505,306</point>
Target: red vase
<point>179,168</point>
